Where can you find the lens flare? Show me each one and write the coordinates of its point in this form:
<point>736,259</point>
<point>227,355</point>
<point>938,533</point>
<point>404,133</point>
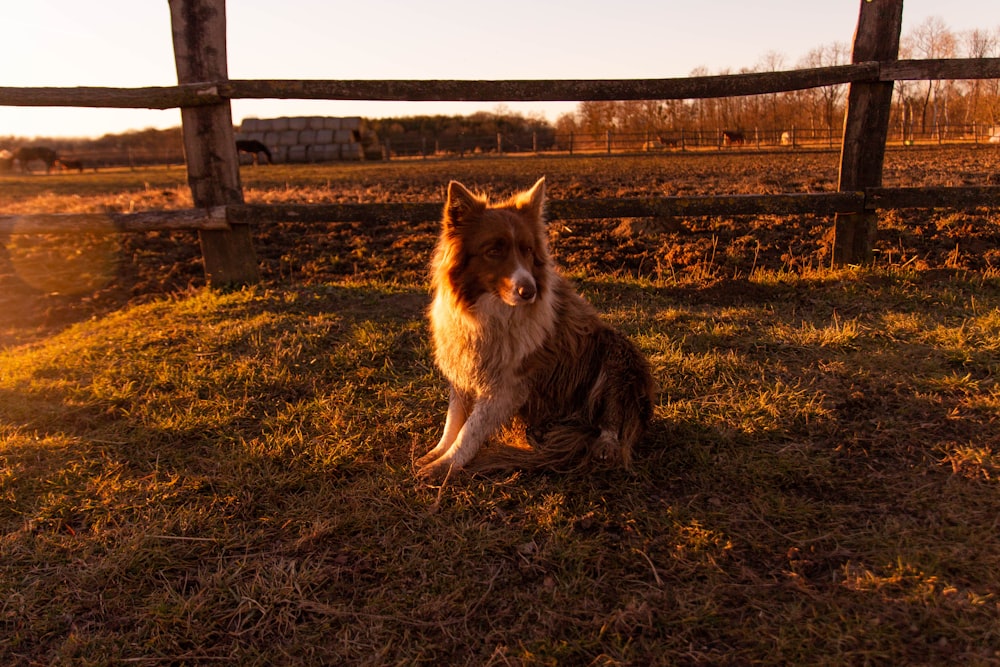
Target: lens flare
<point>67,263</point>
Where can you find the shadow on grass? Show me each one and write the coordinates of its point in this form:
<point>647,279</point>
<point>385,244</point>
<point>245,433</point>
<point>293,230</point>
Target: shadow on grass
<point>240,473</point>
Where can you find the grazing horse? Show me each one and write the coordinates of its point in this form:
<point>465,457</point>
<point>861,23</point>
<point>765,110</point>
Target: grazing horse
<point>733,138</point>
<point>26,154</point>
<point>255,148</point>
<point>68,164</point>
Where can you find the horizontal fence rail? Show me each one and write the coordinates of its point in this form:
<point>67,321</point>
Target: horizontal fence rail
<point>215,218</point>
<point>698,87</point>
<point>221,217</point>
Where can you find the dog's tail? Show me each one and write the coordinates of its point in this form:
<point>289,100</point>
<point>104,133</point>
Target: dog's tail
<point>565,447</point>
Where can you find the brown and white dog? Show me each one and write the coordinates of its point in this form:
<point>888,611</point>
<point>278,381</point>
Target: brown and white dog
<point>523,351</point>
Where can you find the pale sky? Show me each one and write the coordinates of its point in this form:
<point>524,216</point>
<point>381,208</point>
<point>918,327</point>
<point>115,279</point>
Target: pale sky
<point>127,43</point>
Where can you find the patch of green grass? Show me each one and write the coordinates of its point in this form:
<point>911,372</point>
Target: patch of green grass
<point>229,477</point>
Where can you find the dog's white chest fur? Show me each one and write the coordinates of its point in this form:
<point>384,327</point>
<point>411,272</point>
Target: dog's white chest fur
<point>480,347</point>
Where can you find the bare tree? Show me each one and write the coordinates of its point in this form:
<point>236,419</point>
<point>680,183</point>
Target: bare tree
<point>596,118</point>
<point>701,109</point>
<point>932,39</point>
<point>825,104</point>
<point>566,123</point>
<point>977,43</point>
<point>772,61</point>
<point>991,87</point>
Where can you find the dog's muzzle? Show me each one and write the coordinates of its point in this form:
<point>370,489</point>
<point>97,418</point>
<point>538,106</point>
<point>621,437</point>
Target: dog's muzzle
<point>525,293</point>
<point>523,290</point>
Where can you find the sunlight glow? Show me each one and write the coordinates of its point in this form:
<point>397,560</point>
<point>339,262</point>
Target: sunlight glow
<point>64,264</point>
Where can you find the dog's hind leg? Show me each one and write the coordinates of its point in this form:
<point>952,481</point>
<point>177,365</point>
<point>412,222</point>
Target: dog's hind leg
<point>623,414</point>
<point>620,402</point>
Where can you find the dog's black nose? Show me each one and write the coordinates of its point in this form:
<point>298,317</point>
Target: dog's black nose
<point>526,292</point>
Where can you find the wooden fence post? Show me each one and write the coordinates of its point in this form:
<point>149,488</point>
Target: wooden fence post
<point>866,126</point>
<point>199,35</point>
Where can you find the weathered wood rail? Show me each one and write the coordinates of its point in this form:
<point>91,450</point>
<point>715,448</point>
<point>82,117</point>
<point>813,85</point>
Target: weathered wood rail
<point>212,218</point>
<point>223,221</point>
<point>553,90</point>
<point>221,218</point>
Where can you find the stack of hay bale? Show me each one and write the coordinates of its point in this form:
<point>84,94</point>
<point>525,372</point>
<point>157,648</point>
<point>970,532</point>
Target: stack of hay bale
<point>311,139</point>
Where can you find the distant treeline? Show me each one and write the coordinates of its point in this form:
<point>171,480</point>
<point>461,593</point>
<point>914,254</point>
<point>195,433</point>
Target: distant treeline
<point>920,109</point>
<point>476,133</point>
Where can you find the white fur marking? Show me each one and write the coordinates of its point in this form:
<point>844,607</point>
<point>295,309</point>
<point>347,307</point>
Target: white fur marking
<point>522,278</point>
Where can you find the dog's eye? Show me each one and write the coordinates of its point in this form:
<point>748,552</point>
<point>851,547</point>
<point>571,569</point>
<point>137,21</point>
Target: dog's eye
<point>496,251</point>
<point>527,250</point>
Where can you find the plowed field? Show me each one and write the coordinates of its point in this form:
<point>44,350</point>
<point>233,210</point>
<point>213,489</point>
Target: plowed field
<point>48,282</point>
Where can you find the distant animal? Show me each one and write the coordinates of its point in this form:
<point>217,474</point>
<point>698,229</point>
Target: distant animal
<point>733,138</point>
<point>26,154</point>
<point>6,160</point>
<point>67,164</point>
<point>255,148</point>
<point>526,356</point>
<point>659,144</point>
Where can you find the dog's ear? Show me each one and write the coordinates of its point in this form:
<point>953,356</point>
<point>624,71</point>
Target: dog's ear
<point>533,200</point>
<point>462,205</point>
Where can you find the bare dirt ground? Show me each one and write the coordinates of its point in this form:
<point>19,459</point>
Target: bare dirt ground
<point>47,283</point>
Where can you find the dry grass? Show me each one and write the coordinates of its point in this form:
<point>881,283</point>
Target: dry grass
<point>227,477</point>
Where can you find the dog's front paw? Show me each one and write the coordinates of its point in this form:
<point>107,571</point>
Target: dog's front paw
<point>434,470</point>
<point>427,458</point>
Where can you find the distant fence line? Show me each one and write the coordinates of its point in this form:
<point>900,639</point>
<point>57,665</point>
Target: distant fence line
<point>445,144</point>
<point>583,143</point>
<point>205,90</point>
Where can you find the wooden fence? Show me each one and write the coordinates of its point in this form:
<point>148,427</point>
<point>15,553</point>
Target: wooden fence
<point>223,220</point>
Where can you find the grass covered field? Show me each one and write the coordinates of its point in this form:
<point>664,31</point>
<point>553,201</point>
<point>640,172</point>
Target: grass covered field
<point>194,477</point>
